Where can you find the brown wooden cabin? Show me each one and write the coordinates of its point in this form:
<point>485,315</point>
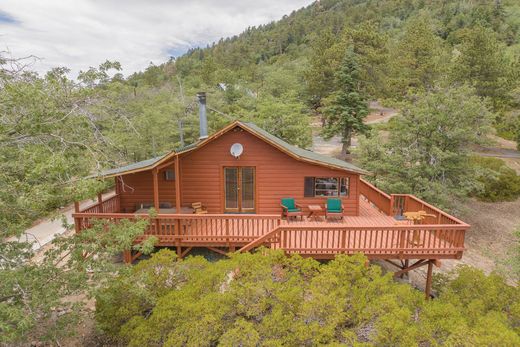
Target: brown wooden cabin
<point>242,195</point>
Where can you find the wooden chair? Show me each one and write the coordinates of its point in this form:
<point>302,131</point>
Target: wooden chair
<point>291,209</point>
<point>334,207</point>
<point>198,208</point>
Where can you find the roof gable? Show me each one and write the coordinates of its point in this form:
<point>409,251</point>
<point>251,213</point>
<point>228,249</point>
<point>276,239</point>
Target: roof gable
<point>293,151</point>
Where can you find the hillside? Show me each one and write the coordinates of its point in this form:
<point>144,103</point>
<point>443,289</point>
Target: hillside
<point>451,68</point>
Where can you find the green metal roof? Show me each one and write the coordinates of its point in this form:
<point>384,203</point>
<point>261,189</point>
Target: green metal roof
<point>129,167</point>
<point>142,164</point>
<point>296,151</point>
<point>304,153</point>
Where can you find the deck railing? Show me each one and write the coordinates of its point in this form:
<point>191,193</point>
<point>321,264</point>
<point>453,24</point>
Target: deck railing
<point>376,196</point>
<point>194,230</point>
<point>398,204</point>
<point>110,205</point>
<point>438,236</point>
<point>402,241</point>
<point>406,203</point>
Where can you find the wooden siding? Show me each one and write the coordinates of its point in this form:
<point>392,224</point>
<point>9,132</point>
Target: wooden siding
<point>278,175</point>
<point>137,188</point>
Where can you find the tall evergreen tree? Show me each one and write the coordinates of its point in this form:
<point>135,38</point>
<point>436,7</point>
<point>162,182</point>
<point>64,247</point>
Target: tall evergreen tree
<point>348,106</point>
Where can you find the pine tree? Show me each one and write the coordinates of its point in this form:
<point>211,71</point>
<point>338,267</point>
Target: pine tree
<point>348,106</point>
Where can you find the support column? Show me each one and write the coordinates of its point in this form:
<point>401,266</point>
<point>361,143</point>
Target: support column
<point>77,226</point>
<point>178,206</point>
<point>155,190</point>
<point>118,193</point>
<point>405,265</point>
<point>177,185</point>
<point>428,288</point>
<point>127,256</point>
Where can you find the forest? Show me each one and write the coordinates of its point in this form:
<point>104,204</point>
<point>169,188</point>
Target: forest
<point>451,68</point>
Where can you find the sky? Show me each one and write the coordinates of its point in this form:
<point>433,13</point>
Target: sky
<point>81,33</point>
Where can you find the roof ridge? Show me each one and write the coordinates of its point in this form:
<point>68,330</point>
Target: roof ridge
<point>295,151</point>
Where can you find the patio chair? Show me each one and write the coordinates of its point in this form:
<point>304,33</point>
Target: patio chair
<point>334,207</point>
<point>198,208</point>
<point>291,209</point>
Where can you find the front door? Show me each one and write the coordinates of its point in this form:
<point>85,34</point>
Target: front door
<point>239,189</point>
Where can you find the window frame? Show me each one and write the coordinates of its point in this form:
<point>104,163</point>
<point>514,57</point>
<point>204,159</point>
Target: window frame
<point>340,182</point>
<point>169,175</point>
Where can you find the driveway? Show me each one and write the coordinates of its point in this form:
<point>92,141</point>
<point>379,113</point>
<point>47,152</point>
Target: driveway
<point>44,231</point>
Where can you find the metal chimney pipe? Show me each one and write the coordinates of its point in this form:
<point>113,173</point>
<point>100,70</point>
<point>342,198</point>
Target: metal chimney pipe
<point>203,119</point>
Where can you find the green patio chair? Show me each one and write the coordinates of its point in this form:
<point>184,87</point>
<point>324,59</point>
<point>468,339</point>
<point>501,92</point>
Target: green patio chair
<point>334,207</point>
<point>290,208</point>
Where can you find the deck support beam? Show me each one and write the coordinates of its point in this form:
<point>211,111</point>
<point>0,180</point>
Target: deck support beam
<point>185,252</point>
<point>77,226</point>
<point>127,256</point>
<point>429,272</point>
<point>216,250</point>
<point>416,265</point>
<point>428,286</point>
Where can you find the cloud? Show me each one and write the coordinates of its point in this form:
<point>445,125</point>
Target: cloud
<point>83,33</point>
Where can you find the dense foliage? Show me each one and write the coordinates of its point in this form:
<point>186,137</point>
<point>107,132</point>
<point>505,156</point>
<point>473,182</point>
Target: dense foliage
<point>427,150</point>
<point>499,182</point>
<point>43,297</point>
<point>452,67</point>
<point>269,299</point>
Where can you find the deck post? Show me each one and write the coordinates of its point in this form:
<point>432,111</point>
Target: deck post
<point>428,287</point>
<point>155,190</point>
<point>77,226</point>
<point>177,185</point>
<point>100,198</point>
<point>405,265</point>
<point>127,256</point>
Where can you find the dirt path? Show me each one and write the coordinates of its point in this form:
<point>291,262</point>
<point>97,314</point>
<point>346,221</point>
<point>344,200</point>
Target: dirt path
<point>332,147</point>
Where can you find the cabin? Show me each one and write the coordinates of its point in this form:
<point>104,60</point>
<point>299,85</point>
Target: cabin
<point>226,193</point>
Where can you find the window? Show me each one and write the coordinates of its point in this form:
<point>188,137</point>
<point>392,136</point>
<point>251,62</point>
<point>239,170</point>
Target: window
<point>326,186</point>
<point>169,175</point>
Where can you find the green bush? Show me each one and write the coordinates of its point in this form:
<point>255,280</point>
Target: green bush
<point>269,299</point>
<point>498,181</point>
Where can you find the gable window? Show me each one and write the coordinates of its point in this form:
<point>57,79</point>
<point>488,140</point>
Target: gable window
<point>326,186</point>
<point>169,175</point>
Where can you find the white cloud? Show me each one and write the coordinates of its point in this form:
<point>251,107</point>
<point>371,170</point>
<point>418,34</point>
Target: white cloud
<point>82,33</point>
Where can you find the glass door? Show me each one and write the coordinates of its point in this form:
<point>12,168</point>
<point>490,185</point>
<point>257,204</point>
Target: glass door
<point>239,189</point>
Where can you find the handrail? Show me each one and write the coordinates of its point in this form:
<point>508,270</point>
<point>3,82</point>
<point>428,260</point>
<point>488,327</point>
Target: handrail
<point>376,196</point>
<point>433,208</point>
<point>383,193</point>
<point>177,215</point>
<point>260,240</point>
<point>99,204</point>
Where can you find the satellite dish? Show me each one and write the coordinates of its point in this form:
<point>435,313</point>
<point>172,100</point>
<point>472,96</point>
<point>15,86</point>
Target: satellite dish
<point>236,150</point>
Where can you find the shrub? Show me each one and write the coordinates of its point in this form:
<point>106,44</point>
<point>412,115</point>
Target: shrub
<point>269,299</point>
<point>498,181</point>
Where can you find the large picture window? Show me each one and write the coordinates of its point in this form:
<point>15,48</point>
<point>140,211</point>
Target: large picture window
<point>326,186</point>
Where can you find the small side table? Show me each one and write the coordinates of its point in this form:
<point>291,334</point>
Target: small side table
<point>314,212</point>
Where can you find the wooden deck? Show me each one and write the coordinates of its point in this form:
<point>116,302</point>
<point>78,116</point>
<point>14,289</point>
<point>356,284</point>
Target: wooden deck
<point>373,232</point>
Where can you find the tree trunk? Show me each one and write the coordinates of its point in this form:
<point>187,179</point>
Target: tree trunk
<point>347,141</point>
